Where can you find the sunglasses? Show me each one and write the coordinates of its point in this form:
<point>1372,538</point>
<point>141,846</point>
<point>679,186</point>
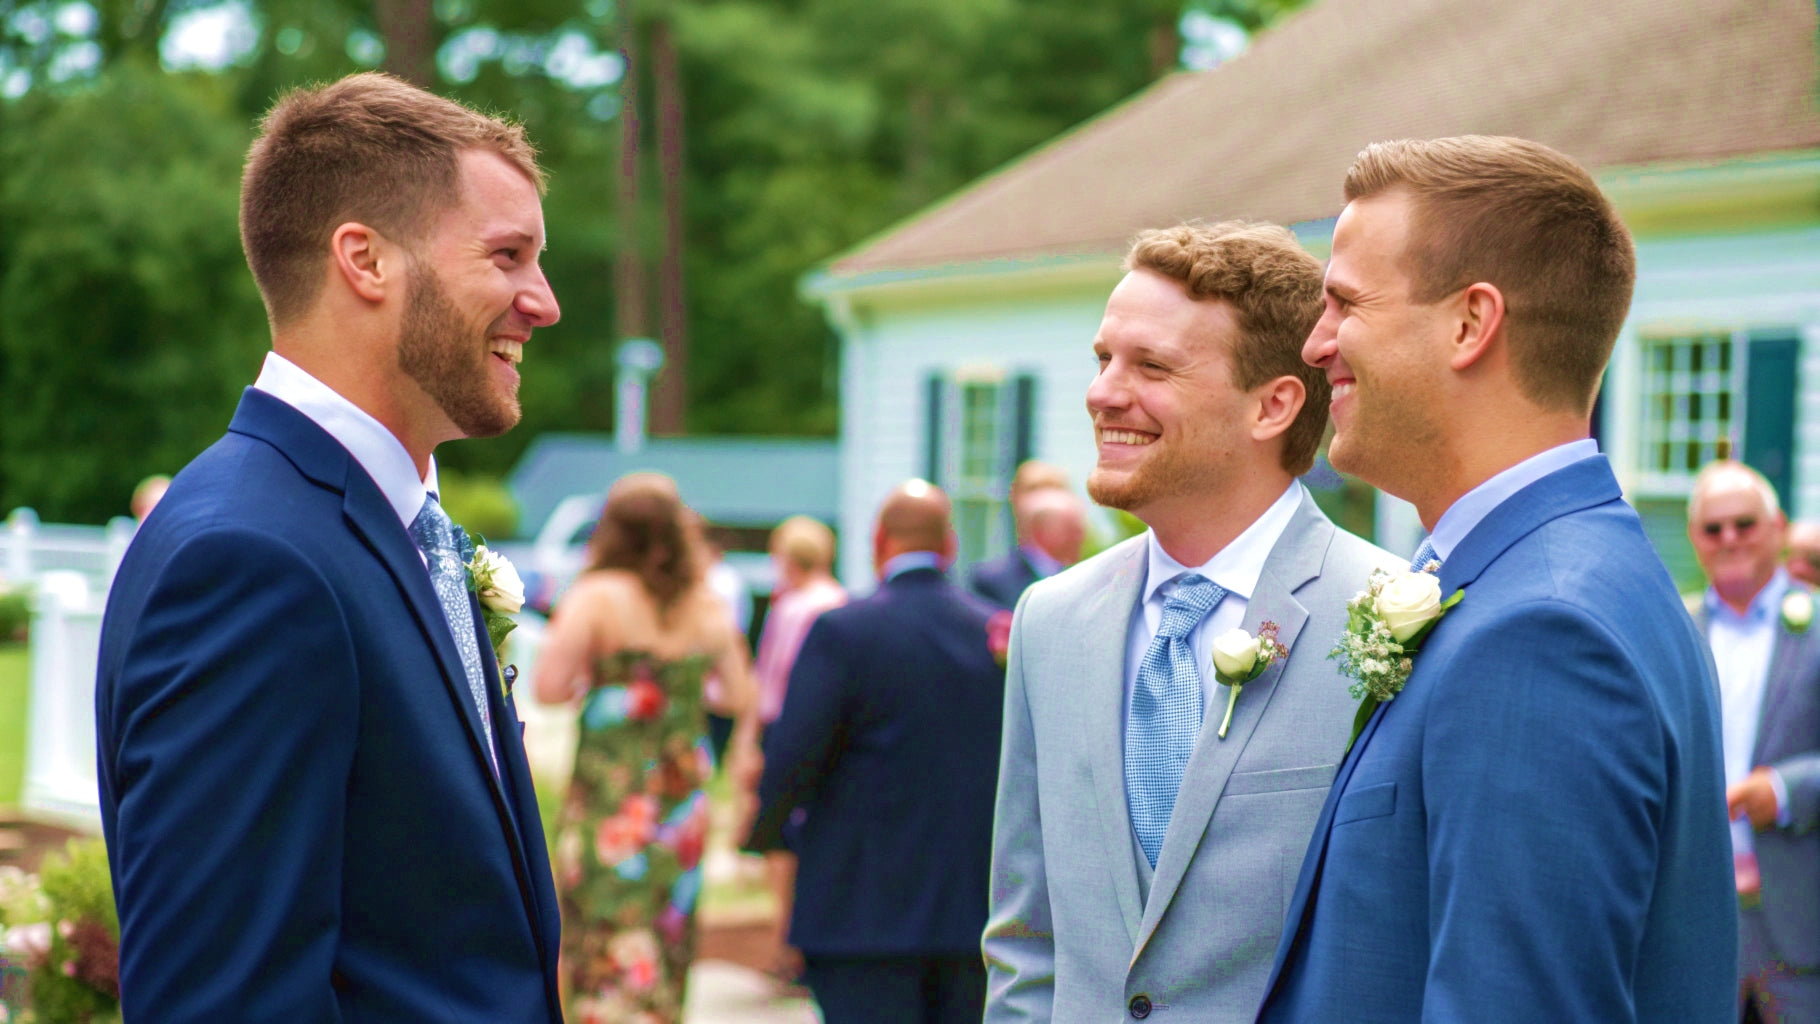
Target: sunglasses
<point>1742,524</point>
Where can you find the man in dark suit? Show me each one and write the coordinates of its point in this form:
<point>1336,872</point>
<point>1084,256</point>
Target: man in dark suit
<point>313,783</point>
<point>888,740</point>
<point>1051,525</point>
<point>1760,625</point>
<point>1533,829</point>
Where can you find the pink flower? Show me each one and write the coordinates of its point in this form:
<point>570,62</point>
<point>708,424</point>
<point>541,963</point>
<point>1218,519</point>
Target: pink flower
<point>627,832</point>
<point>998,636</point>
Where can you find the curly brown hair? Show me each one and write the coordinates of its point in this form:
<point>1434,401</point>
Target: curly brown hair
<point>646,530</point>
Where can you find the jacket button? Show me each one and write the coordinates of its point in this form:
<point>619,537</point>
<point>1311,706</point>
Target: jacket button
<point>1140,1007</point>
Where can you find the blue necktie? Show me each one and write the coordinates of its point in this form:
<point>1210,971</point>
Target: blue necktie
<point>1166,712</point>
<point>1424,555</point>
<point>440,540</point>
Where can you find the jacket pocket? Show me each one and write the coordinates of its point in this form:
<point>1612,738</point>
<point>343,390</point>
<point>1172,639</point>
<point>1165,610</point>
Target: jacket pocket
<point>1367,802</point>
<point>1318,776</point>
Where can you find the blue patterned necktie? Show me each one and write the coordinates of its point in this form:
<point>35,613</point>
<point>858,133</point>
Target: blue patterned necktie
<point>440,541</point>
<point>1166,712</point>
<point>1424,555</point>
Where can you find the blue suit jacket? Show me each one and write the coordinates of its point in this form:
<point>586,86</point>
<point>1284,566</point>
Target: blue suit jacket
<point>889,739</point>
<point>301,819</point>
<point>1534,829</point>
<point>1004,579</point>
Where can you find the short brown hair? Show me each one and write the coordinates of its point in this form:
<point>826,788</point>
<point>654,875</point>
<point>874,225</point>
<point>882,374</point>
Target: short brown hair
<point>1274,285</point>
<point>646,530</point>
<point>805,543</point>
<point>368,148</point>
<point>1529,220</point>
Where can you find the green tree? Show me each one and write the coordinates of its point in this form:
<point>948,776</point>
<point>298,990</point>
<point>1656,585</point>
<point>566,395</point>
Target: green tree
<point>130,323</point>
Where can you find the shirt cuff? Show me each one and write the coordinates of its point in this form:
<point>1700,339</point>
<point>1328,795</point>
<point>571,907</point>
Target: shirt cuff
<point>1781,788</point>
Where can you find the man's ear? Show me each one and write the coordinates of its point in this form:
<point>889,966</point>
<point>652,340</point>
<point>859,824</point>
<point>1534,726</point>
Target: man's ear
<point>1279,401</point>
<point>366,261</point>
<point>1481,323</point>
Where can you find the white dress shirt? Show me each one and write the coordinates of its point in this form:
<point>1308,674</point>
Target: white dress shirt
<point>376,449</point>
<point>1236,568</point>
<point>1473,506</point>
<point>1743,646</point>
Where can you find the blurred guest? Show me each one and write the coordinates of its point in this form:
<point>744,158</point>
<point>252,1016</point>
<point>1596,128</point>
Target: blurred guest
<point>889,740</point>
<point>146,495</point>
<point>802,552</point>
<point>629,645</point>
<point>1804,552</point>
<point>727,583</point>
<point>1051,524</point>
<point>1034,475</point>
<point>1759,624</point>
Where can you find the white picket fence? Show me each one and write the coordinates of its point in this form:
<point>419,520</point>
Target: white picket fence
<point>68,569</point>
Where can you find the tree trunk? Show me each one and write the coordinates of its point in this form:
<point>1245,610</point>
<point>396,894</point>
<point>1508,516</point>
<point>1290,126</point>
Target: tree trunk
<point>409,30</point>
<point>629,271</point>
<point>669,406</point>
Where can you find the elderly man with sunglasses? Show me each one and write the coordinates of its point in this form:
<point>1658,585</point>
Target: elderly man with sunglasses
<point>1760,625</point>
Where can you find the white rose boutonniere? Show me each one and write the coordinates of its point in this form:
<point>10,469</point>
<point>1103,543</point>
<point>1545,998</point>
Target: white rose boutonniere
<point>1239,657</point>
<point>1385,623</point>
<point>492,579</point>
<point>1797,611</point>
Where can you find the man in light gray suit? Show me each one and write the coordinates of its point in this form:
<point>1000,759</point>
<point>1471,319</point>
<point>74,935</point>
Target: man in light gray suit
<point>1143,863</point>
<point>1760,625</point>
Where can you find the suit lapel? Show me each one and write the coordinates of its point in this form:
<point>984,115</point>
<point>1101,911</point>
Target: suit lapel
<point>1294,560</point>
<point>1102,725</point>
<point>1778,688</point>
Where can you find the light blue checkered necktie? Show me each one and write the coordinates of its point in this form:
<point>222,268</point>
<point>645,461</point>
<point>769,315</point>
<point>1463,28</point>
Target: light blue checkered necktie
<point>1166,712</point>
<point>1424,555</point>
<point>440,541</point>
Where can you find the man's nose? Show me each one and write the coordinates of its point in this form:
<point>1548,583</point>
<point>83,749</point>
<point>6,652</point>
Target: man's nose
<point>1322,343</point>
<point>538,302</point>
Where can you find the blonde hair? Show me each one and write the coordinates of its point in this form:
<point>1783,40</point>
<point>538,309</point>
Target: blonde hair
<point>805,543</point>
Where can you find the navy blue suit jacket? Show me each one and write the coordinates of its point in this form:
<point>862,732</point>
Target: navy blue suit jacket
<point>1534,829</point>
<point>1004,579</point>
<point>889,739</point>
<point>301,818</point>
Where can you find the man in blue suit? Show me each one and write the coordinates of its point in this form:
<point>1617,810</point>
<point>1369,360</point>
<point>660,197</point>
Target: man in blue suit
<point>313,783</point>
<point>1051,526</point>
<point>888,740</point>
<point>1533,829</point>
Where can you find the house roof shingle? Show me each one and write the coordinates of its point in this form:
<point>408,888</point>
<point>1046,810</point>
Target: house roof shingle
<point>1616,83</point>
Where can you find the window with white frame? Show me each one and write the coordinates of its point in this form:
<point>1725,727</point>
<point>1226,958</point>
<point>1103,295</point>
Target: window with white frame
<point>979,430</point>
<point>1690,390</point>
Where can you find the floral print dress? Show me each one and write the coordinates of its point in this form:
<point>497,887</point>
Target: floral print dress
<point>629,841</point>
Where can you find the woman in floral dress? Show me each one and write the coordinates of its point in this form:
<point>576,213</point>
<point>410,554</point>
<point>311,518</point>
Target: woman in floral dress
<point>629,646</point>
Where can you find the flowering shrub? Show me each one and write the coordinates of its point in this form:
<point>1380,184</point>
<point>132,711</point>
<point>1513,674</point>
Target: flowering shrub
<point>60,940</point>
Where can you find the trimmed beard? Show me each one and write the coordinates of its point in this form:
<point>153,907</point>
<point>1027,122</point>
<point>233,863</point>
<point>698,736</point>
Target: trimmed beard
<point>433,351</point>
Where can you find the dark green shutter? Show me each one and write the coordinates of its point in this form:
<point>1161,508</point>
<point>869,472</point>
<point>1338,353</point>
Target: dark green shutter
<point>932,428</point>
<point>1769,409</point>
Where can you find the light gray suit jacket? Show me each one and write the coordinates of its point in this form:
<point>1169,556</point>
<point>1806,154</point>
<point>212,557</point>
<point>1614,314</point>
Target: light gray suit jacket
<point>1788,740</point>
<point>1071,935</point>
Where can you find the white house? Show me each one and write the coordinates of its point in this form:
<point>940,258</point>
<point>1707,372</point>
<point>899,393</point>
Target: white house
<point>966,330</point>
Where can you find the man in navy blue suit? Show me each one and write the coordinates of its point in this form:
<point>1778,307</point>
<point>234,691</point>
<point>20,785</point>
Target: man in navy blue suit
<point>1051,525</point>
<point>888,741</point>
<point>1534,828</point>
<point>313,783</point>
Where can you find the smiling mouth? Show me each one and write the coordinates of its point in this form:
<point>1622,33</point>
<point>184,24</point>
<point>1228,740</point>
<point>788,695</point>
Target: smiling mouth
<point>512,352</point>
<point>1342,390</point>
<point>1109,435</point>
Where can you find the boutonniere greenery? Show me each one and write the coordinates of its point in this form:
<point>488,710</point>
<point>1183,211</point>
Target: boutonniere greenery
<point>1385,624</point>
<point>501,593</point>
<point>1797,611</point>
<point>1239,657</point>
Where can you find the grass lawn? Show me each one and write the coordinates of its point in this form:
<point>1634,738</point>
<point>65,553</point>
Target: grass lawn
<point>15,688</point>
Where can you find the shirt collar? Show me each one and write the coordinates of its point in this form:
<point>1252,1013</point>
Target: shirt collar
<point>377,449</point>
<point>1476,504</point>
<point>1039,560</point>
<point>1766,605</point>
<point>911,560</point>
<point>1238,565</point>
